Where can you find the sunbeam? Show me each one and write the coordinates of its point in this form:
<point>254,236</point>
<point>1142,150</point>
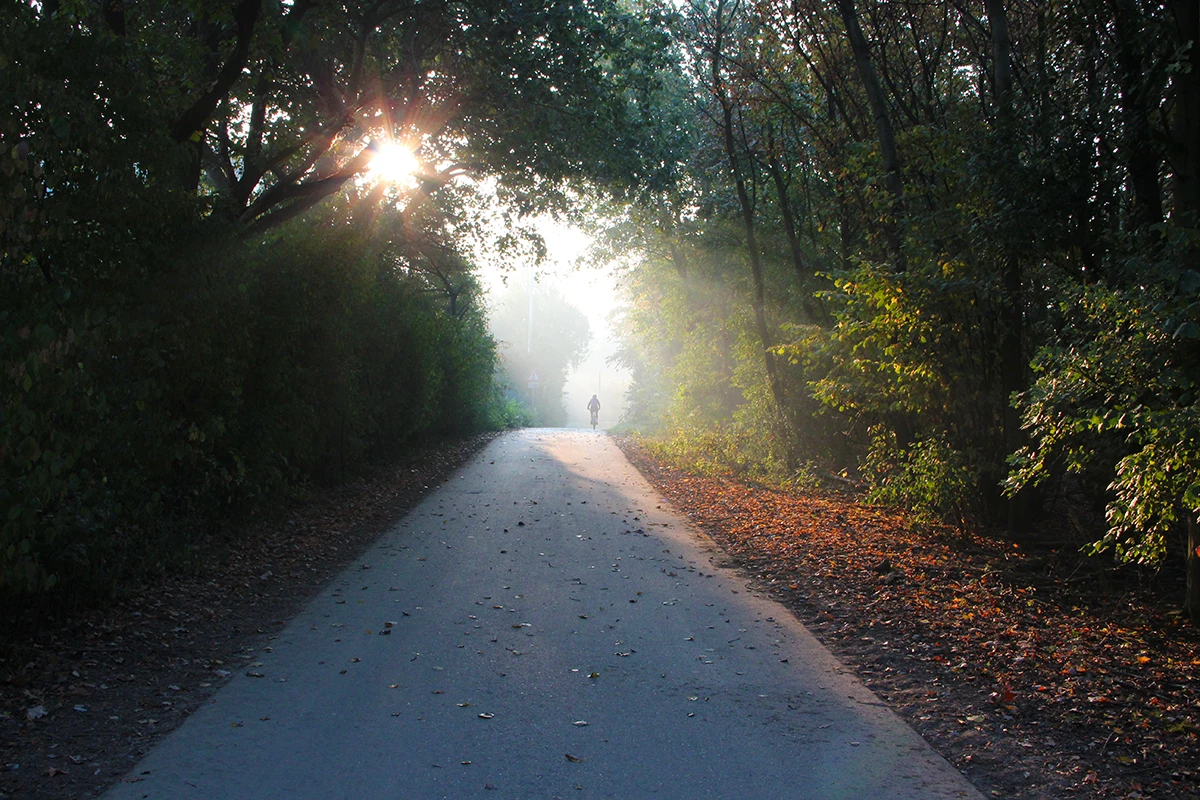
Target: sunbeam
<point>394,164</point>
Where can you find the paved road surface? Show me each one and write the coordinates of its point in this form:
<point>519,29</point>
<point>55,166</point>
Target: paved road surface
<point>543,626</point>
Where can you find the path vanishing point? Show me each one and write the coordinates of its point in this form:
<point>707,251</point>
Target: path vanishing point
<point>544,625</point>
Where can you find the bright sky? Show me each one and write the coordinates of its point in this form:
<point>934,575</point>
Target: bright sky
<point>593,291</point>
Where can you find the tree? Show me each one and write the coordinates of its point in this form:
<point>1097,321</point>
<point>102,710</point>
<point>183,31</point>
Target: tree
<point>962,192</point>
<point>274,107</point>
<point>203,300</point>
<point>551,344</point>
<point>717,29</point>
<point>881,117</point>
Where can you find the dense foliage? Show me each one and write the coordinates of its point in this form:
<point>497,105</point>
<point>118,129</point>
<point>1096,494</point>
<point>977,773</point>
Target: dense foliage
<point>205,297</point>
<point>953,246</point>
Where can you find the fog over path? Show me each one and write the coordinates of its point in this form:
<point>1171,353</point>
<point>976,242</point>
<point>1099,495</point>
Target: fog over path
<point>544,625</point>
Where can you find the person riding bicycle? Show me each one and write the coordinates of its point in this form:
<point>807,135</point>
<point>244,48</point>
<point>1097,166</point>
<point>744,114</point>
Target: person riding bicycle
<point>594,407</point>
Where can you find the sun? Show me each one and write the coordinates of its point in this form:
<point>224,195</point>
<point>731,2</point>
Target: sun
<point>394,164</point>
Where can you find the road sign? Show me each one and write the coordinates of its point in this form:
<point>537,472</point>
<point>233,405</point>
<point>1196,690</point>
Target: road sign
<point>534,380</point>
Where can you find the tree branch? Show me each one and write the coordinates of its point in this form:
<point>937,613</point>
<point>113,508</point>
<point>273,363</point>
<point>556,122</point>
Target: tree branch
<point>196,118</point>
<point>303,196</point>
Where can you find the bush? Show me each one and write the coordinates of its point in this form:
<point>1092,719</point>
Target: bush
<point>154,395</point>
<point>929,478</point>
<point>709,451</point>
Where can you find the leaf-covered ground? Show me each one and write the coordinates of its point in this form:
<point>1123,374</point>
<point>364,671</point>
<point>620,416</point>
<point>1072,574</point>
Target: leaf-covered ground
<point>996,656</point>
<point>82,700</point>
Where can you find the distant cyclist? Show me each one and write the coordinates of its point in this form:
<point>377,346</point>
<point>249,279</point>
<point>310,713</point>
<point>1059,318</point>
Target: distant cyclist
<point>594,407</point>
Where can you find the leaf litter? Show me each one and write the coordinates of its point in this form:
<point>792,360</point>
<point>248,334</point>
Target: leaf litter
<point>1031,681</point>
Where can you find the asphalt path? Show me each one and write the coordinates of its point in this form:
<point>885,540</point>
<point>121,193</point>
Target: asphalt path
<point>543,626</point>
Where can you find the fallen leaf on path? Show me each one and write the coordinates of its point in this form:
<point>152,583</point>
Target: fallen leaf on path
<point>573,759</point>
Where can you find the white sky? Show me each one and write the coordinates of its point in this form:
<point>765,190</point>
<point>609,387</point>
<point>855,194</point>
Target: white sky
<point>593,291</point>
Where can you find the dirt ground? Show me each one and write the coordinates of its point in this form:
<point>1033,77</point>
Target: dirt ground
<point>995,656</point>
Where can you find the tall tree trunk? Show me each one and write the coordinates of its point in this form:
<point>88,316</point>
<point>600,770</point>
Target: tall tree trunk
<point>678,261</point>
<point>1185,186</point>
<point>1012,314</point>
<point>756,271</point>
<point>785,212</point>
<point>1191,600</point>
<point>747,208</point>
<point>1185,156</point>
<point>883,130</point>
<point>1001,55</point>
<point>845,225</point>
<point>803,275</point>
<point>1141,159</point>
<point>1012,380</point>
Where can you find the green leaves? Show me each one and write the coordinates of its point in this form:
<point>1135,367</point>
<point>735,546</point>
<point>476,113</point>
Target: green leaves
<point>29,450</point>
<point>221,378</point>
<point>889,344</point>
<point>930,479</point>
<point>1116,397</point>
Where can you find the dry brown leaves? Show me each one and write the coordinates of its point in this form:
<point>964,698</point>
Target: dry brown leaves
<point>996,656</point>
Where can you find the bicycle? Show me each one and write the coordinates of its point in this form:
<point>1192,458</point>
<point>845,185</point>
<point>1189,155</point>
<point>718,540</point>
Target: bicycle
<point>594,407</point>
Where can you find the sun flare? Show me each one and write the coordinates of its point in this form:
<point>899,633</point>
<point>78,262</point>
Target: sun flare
<point>394,164</point>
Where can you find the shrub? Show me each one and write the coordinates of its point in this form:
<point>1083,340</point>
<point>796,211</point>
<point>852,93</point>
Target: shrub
<point>930,479</point>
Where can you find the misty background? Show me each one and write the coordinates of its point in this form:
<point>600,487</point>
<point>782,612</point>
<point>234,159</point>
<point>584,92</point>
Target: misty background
<point>573,331</point>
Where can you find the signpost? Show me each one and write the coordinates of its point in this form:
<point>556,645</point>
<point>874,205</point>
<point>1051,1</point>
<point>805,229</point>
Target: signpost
<point>533,382</point>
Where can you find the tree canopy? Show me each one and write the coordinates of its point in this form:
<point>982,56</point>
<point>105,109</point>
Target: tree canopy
<point>951,247</point>
<point>206,295</point>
